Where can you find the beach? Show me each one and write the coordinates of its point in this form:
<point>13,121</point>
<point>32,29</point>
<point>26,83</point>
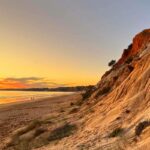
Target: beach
<point>16,115</point>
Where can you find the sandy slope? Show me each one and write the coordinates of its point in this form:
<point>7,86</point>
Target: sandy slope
<point>125,107</point>
<point>14,116</point>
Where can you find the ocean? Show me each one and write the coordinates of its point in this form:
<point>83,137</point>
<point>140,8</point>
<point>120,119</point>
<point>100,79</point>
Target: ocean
<point>18,96</point>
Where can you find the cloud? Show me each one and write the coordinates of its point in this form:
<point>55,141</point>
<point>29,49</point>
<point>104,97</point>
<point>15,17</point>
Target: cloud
<point>25,79</point>
<point>28,82</point>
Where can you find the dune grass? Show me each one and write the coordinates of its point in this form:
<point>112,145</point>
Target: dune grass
<point>34,135</point>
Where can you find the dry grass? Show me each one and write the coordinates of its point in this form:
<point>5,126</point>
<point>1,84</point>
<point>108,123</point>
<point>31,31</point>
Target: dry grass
<point>15,138</point>
<point>34,136</point>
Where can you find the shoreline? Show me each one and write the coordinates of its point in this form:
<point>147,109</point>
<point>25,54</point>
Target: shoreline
<point>13,101</point>
<point>17,115</point>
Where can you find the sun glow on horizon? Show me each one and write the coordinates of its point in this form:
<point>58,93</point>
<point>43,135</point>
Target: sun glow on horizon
<point>64,42</point>
<point>18,61</point>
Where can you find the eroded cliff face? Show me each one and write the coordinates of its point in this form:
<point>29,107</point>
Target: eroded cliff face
<point>116,115</point>
<point>124,66</point>
<point>139,42</point>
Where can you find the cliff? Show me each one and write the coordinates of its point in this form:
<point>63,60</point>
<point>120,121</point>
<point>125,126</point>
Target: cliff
<point>125,65</point>
<point>140,42</point>
<point>115,114</point>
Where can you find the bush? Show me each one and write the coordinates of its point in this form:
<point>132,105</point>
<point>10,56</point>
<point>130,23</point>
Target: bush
<point>61,132</point>
<point>111,63</point>
<point>141,126</point>
<point>89,90</point>
<point>116,132</point>
<point>103,91</point>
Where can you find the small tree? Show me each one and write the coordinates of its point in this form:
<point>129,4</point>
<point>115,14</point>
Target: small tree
<point>111,63</point>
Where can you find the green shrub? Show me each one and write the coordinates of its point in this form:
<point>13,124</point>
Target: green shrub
<point>103,91</point>
<point>111,63</point>
<point>61,132</point>
<point>89,90</point>
<point>116,132</point>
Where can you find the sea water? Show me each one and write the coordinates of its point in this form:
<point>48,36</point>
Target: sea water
<point>18,96</point>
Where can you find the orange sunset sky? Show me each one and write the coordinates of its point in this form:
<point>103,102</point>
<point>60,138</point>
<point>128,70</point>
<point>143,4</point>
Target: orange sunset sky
<point>63,43</point>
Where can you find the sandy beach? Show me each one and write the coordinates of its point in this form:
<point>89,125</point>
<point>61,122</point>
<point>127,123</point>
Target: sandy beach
<point>17,115</point>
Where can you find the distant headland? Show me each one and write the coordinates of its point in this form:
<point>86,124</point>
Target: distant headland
<point>58,89</point>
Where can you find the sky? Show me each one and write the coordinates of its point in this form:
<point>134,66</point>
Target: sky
<point>51,43</point>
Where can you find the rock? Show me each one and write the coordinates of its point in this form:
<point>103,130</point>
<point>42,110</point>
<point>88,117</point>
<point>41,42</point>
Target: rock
<point>139,43</point>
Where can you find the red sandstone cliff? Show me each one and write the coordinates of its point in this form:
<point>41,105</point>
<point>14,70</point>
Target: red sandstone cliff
<point>139,42</point>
